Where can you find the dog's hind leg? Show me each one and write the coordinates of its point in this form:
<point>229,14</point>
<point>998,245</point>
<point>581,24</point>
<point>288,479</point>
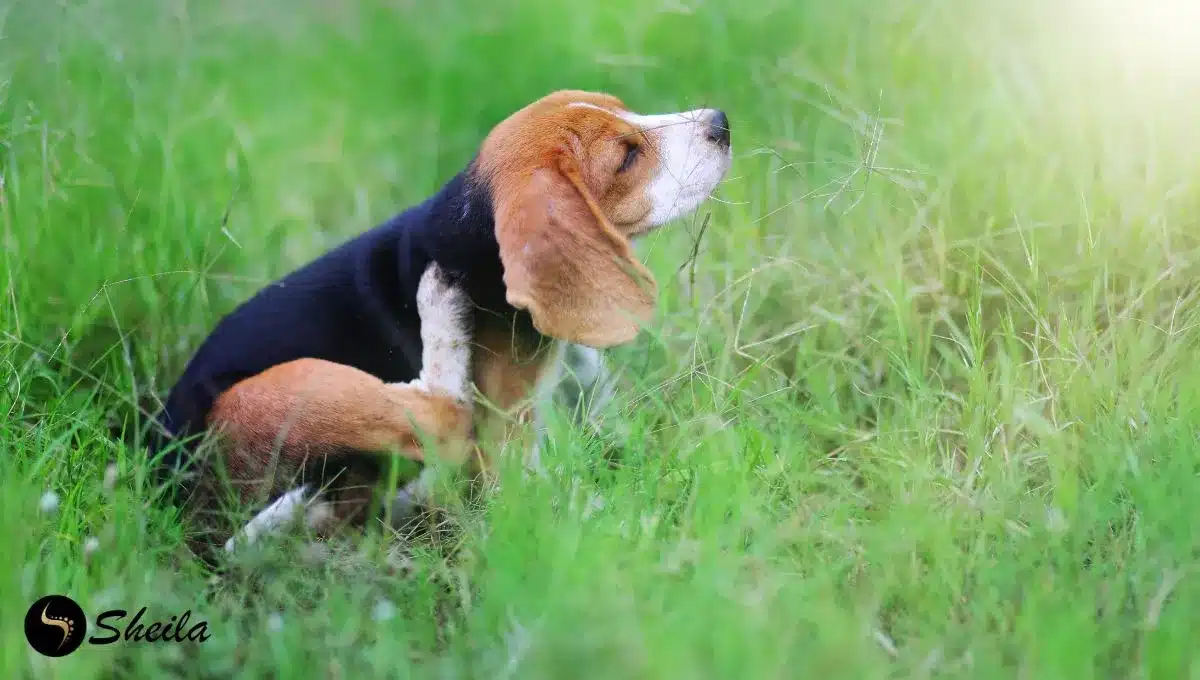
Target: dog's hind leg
<point>288,416</point>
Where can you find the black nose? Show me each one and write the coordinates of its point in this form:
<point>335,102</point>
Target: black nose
<point>718,129</point>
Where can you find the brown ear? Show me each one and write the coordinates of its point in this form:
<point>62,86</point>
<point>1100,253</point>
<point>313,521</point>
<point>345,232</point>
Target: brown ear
<point>565,263</point>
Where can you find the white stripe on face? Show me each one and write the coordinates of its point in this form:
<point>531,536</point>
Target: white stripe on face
<point>690,164</point>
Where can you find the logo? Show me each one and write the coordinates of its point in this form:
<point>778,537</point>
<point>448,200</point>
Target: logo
<point>55,625</point>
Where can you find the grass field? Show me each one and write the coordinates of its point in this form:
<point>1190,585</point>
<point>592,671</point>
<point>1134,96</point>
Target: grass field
<point>926,404</point>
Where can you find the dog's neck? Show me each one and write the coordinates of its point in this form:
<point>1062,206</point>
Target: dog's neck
<point>461,236</point>
<point>460,230</point>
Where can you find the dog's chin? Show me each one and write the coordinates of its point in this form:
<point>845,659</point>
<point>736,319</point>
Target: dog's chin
<point>690,204</point>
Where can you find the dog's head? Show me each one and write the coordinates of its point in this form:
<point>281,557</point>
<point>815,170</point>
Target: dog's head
<point>573,177</point>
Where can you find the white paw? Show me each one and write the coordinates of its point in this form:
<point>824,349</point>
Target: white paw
<point>409,500</point>
<point>272,518</point>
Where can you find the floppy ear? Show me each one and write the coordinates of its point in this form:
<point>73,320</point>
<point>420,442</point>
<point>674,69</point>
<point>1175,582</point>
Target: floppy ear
<point>565,263</point>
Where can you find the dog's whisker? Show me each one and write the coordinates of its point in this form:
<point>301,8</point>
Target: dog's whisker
<point>725,202</point>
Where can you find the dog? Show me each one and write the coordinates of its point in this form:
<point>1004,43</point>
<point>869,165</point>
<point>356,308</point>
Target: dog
<point>384,345</point>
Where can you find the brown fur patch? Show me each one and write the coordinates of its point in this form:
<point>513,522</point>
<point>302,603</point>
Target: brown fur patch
<point>290,416</point>
<point>564,209</point>
<point>508,361</point>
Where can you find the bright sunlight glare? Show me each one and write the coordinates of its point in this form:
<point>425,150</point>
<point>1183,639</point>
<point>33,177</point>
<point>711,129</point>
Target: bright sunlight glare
<point>1157,30</point>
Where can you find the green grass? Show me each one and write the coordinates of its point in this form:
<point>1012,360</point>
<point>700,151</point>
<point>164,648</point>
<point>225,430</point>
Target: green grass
<point>930,409</point>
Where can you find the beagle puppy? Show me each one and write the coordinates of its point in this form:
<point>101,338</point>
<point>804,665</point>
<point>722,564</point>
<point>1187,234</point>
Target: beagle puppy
<point>383,345</point>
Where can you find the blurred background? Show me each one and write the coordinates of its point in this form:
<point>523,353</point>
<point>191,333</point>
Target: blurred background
<point>932,364</point>
<point>874,139</point>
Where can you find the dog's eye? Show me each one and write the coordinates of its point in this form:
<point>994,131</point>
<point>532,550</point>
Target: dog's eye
<point>631,154</point>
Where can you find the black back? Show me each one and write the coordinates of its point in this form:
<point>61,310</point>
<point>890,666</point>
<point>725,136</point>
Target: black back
<point>354,305</point>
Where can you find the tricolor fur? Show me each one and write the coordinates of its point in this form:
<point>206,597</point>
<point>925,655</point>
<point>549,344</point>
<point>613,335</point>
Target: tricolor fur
<point>380,346</point>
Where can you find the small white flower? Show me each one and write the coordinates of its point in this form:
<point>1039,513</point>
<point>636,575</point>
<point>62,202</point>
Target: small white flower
<point>275,622</point>
<point>384,610</point>
<point>49,502</point>
<point>91,545</point>
<point>110,477</point>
